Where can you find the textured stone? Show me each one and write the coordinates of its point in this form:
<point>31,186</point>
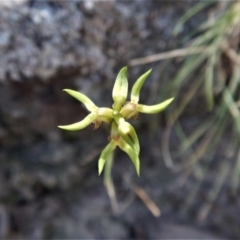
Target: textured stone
<point>48,177</point>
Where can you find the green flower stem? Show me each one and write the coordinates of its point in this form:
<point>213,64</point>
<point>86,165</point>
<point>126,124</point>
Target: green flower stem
<point>108,182</point>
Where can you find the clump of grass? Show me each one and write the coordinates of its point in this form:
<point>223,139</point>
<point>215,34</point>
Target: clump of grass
<point>219,40</point>
<point>212,66</point>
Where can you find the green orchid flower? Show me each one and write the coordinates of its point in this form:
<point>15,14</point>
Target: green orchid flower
<point>123,134</point>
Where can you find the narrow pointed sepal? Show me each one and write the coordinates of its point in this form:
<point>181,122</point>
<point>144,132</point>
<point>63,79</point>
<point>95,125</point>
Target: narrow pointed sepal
<point>82,124</point>
<point>131,153</point>
<point>105,155</point>
<point>154,108</point>
<point>120,89</point>
<point>129,135</point>
<point>138,86</point>
<point>83,99</point>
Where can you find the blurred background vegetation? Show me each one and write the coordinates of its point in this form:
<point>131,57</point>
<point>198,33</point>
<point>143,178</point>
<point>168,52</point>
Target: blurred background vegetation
<point>190,156</point>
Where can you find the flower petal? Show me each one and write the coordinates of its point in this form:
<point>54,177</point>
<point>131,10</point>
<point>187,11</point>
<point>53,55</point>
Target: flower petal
<point>154,108</point>
<point>137,86</point>
<point>131,153</point>
<point>129,134</point>
<point>105,155</point>
<point>83,99</point>
<point>82,124</point>
<point>120,89</point>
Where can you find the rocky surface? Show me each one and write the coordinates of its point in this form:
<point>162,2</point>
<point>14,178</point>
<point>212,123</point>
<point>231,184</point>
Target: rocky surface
<point>48,177</point>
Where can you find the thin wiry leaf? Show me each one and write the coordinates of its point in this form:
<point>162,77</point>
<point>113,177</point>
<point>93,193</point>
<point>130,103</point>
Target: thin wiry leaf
<point>209,73</point>
<point>195,135</point>
<point>198,7</point>
<point>187,70</point>
<point>236,174</point>
<point>212,195</point>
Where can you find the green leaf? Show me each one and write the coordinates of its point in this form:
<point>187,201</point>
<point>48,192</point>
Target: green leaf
<point>209,77</point>
<point>190,13</point>
<point>83,99</point>
<point>154,108</point>
<point>131,153</point>
<point>120,89</point>
<point>106,153</point>
<point>82,124</point>
<point>137,86</point>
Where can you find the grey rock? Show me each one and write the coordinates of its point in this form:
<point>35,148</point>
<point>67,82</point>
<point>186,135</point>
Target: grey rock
<point>46,46</point>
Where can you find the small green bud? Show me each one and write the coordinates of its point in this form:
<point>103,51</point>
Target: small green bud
<point>129,110</point>
<point>137,86</point>
<point>120,89</point>
<point>103,115</point>
<point>154,108</point>
<point>82,124</point>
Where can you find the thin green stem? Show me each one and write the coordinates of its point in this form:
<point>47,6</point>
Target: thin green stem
<point>108,182</point>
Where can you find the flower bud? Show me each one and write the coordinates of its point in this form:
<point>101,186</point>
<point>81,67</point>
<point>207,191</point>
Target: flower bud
<point>129,110</point>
